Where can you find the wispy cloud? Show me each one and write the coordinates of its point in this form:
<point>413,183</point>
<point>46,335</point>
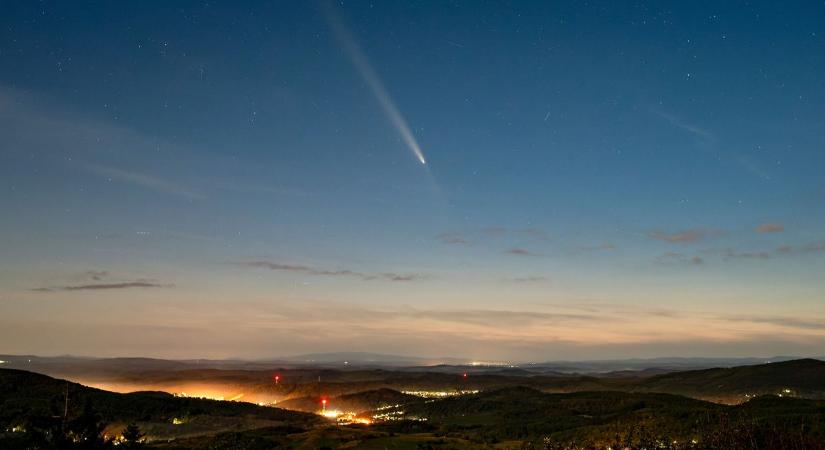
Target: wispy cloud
<point>680,258</point>
<point>143,180</point>
<point>603,247</point>
<point>523,233</point>
<point>307,270</point>
<point>770,228</point>
<point>684,125</point>
<point>528,279</point>
<point>790,322</point>
<point>781,251</point>
<point>97,275</point>
<point>104,286</point>
<point>784,249</point>
<point>453,238</point>
<point>251,188</point>
<point>733,254</point>
<point>492,233</point>
<point>47,129</point>
<point>744,161</point>
<point>32,125</point>
<point>814,247</point>
<point>686,236</point>
<point>518,251</point>
<point>496,317</point>
<point>600,324</point>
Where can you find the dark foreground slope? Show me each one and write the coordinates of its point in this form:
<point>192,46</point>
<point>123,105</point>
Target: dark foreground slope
<point>511,417</point>
<point>522,418</point>
<point>608,418</point>
<point>26,396</point>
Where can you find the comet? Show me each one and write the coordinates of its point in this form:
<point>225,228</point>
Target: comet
<point>364,68</point>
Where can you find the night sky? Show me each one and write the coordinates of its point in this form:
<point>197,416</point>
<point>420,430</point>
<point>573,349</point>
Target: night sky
<point>601,179</point>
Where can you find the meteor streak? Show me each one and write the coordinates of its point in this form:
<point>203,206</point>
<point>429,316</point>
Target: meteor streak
<point>359,60</point>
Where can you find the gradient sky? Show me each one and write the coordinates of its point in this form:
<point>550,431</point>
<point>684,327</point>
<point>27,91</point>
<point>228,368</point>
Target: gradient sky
<point>603,179</point>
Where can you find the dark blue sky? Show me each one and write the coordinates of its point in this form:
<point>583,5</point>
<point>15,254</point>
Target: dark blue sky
<point>602,178</point>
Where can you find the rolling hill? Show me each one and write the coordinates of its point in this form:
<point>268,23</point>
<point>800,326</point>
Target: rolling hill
<point>499,417</point>
<point>357,402</point>
<point>520,413</point>
<point>804,378</point>
<point>25,395</point>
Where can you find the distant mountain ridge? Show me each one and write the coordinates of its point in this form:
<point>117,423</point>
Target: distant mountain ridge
<point>367,359</point>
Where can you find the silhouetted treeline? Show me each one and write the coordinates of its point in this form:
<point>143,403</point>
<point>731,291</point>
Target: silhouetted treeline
<point>85,431</point>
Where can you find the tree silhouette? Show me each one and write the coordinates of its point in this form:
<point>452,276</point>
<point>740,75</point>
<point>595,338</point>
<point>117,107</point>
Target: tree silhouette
<point>133,438</point>
<point>87,430</point>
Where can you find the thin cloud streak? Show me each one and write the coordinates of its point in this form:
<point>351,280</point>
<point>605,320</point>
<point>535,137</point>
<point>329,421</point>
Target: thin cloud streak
<point>595,325</point>
<point>686,236</point>
<point>528,279</point>
<point>770,228</point>
<point>781,251</point>
<point>492,233</point>
<point>517,251</point>
<point>602,247</point>
<point>278,267</point>
<point>710,139</point>
<point>103,286</point>
<point>686,126</point>
<point>791,322</point>
<point>97,275</point>
<point>452,238</point>
<point>143,180</point>
<point>680,258</point>
<point>732,254</point>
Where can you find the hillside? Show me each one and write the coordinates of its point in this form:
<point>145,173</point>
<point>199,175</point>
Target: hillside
<point>797,378</point>
<point>356,402</point>
<point>522,413</point>
<point>508,417</point>
<point>25,395</point>
<point>520,417</point>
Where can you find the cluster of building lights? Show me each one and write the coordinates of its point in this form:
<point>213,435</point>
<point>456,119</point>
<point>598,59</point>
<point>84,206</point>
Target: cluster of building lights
<point>210,397</point>
<point>395,414</point>
<point>342,417</point>
<point>492,364</point>
<point>345,417</point>
<point>120,440</point>
<point>441,394</point>
<point>198,396</point>
<point>786,392</point>
<point>381,414</point>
